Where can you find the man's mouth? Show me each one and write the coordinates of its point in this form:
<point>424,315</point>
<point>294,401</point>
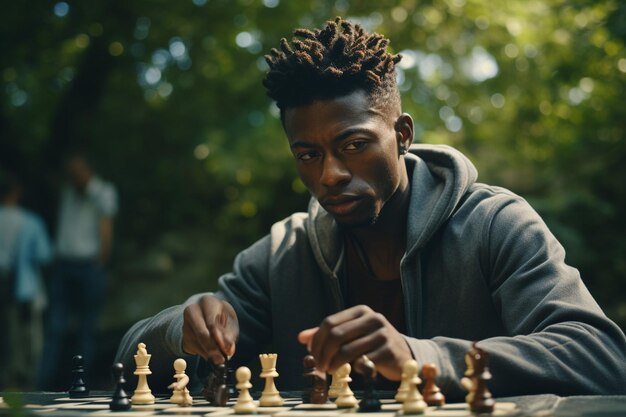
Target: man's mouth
<point>341,204</point>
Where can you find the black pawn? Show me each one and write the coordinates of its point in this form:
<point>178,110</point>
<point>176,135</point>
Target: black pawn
<point>221,394</point>
<point>210,378</point>
<point>78,389</point>
<point>120,401</point>
<point>370,402</point>
<point>230,381</point>
<point>316,390</point>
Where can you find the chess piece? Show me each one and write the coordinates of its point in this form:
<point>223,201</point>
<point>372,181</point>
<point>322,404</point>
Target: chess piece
<point>206,371</point>
<point>403,389</point>
<point>245,403</point>
<point>143,394</point>
<point>181,394</point>
<point>270,396</point>
<point>432,393</point>
<point>315,391</point>
<point>221,392</point>
<point>370,401</point>
<point>479,397</point>
<point>414,402</point>
<point>78,389</point>
<point>346,398</point>
<point>120,401</point>
<point>230,379</point>
<point>333,390</point>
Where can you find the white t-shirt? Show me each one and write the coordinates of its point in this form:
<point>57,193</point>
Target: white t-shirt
<point>78,230</point>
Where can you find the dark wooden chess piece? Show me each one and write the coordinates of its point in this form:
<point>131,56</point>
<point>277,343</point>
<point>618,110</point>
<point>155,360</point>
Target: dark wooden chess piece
<point>230,380</point>
<point>78,389</point>
<point>431,392</point>
<point>481,400</point>
<point>370,401</point>
<point>221,394</point>
<point>316,389</point>
<point>209,377</point>
<point>120,401</point>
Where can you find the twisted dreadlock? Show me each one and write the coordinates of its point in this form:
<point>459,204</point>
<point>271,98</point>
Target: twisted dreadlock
<point>331,62</point>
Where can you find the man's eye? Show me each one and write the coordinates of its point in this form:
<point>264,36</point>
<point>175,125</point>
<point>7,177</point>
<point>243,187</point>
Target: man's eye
<point>306,156</point>
<point>355,145</point>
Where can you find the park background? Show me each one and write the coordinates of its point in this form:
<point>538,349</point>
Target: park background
<point>167,98</point>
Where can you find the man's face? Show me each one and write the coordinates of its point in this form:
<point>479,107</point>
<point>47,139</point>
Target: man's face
<point>78,173</point>
<point>347,155</point>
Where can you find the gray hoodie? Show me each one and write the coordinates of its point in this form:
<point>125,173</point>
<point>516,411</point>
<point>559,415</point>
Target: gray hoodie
<point>480,266</point>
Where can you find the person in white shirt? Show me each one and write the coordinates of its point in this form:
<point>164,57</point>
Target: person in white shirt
<point>83,245</point>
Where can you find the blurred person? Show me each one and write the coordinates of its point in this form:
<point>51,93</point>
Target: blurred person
<point>24,249</point>
<point>83,244</point>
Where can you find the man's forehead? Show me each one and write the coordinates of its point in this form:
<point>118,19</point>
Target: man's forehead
<point>353,108</point>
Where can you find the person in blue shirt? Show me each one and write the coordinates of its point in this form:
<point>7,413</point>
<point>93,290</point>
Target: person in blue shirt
<point>24,249</point>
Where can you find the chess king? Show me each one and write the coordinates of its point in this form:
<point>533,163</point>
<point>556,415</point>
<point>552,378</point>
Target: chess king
<point>402,253</point>
<point>143,393</point>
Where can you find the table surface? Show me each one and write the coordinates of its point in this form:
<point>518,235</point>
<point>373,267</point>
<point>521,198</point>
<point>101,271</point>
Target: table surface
<point>546,405</point>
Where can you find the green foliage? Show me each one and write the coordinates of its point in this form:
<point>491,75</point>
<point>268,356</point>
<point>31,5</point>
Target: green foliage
<point>168,98</point>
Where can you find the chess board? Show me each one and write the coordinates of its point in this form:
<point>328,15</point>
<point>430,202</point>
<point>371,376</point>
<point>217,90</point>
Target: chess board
<point>293,407</point>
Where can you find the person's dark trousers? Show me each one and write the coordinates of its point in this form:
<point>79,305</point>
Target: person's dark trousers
<point>6,302</point>
<point>76,291</point>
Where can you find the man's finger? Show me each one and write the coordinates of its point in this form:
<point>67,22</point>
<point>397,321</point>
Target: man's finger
<point>306,337</point>
<point>342,334</point>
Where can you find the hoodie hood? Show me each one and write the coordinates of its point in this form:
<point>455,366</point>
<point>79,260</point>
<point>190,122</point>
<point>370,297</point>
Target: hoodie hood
<point>439,177</point>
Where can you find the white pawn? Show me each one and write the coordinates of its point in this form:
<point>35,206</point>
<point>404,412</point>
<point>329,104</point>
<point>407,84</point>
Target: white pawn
<point>181,394</point>
<point>333,390</point>
<point>245,403</point>
<point>346,398</point>
<point>403,389</point>
<point>143,394</point>
<point>414,402</point>
<point>270,397</point>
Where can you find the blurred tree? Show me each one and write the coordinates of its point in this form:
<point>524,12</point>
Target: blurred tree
<point>167,96</point>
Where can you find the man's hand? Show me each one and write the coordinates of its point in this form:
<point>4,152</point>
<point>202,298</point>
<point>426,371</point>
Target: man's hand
<point>346,336</point>
<point>210,329</point>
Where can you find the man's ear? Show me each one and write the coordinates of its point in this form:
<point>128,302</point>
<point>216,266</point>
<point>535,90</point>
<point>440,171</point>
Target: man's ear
<point>404,131</point>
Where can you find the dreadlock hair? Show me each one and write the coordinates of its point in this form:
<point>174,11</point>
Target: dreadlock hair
<point>329,63</point>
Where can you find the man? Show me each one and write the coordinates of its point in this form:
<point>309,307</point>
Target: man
<point>84,237</point>
<point>401,254</point>
<point>24,250</point>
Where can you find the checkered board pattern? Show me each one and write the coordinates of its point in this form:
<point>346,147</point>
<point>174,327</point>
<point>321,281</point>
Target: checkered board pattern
<point>99,406</point>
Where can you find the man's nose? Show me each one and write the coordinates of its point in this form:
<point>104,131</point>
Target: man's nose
<point>334,172</point>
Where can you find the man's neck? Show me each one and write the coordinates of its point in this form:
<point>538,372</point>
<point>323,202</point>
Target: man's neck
<point>384,242</point>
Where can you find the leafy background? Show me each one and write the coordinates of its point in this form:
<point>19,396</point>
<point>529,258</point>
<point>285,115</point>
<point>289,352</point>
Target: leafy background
<point>167,97</point>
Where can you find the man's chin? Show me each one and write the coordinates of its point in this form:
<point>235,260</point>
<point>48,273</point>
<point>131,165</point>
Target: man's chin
<point>355,222</point>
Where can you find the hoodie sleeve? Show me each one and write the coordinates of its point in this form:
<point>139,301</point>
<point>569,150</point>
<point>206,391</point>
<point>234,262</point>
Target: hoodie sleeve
<point>244,289</point>
<point>558,341</point>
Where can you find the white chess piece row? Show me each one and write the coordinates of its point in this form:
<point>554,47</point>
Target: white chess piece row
<point>269,397</point>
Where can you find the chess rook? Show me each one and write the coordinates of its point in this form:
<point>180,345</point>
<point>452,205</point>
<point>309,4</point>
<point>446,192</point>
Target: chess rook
<point>270,396</point>
<point>143,394</point>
